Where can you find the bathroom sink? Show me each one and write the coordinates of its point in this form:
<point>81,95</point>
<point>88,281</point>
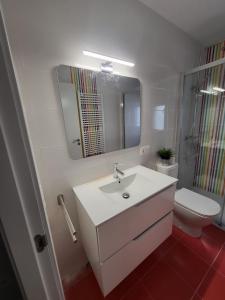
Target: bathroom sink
<point>104,198</point>
<point>129,187</point>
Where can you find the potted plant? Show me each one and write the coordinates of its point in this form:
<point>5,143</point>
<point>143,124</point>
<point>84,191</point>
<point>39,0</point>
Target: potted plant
<point>165,154</point>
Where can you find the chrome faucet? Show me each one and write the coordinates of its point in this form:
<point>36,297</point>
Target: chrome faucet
<point>116,172</point>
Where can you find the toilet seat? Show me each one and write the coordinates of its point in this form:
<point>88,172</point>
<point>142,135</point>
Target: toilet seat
<point>197,203</point>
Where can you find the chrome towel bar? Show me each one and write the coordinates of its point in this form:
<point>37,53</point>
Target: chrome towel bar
<point>61,202</point>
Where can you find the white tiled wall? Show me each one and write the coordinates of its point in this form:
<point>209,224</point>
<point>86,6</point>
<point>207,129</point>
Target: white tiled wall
<point>46,33</point>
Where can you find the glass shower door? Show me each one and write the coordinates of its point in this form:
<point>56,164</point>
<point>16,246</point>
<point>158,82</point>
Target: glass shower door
<point>202,136</point>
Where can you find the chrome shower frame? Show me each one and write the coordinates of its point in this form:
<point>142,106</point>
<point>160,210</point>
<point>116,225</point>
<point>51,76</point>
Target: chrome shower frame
<point>179,120</point>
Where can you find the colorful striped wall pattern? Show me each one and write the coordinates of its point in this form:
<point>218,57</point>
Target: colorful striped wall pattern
<point>213,53</point>
<point>210,159</point>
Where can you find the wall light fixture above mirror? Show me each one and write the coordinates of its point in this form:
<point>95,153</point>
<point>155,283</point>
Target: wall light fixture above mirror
<point>108,58</point>
<point>102,112</point>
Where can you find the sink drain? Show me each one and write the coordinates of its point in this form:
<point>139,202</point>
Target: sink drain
<point>126,195</point>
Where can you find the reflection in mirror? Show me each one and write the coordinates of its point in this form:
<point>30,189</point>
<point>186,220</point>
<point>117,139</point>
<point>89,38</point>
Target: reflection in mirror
<point>159,117</point>
<point>101,111</point>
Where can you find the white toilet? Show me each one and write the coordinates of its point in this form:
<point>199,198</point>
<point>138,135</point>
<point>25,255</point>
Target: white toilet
<point>192,211</point>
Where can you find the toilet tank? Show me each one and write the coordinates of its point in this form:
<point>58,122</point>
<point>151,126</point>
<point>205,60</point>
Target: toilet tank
<point>170,170</point>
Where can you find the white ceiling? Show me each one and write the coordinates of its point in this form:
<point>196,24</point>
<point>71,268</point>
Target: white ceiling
<point>203,20</point>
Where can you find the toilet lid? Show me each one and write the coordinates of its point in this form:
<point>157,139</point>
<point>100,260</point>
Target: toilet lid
<point>197,203</point>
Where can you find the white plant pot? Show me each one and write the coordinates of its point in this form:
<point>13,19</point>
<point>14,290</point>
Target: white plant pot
<point>165,162</point>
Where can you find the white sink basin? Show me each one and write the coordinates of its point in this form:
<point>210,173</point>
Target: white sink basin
<point>129,187</point>
<point>103,198</point>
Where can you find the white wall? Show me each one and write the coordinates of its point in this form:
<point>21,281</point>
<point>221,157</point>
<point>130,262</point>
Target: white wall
<point>46,33</point>
<point>112,115</point>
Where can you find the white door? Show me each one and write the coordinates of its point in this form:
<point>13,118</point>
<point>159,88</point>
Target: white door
<point>71,119</point>
<point>22,212</point>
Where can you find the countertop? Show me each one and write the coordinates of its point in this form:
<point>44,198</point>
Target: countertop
<point>100,208</point>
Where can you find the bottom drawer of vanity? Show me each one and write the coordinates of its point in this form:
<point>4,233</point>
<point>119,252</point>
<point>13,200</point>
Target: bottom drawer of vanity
<point>117,267</point>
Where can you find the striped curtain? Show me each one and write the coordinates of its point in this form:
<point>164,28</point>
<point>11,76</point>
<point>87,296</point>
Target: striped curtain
<point>210,161</point>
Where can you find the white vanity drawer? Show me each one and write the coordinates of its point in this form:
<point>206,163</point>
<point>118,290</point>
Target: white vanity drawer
<point>117,267</point>
<point>118,231</point>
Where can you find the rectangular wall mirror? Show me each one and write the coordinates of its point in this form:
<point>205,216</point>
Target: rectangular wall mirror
<point>102,111</point>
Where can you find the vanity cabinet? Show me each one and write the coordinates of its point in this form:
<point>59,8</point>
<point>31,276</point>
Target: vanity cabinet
<point>116,247</point>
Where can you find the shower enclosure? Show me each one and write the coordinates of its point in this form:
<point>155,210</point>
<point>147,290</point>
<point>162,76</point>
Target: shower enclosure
<point>202,133</point>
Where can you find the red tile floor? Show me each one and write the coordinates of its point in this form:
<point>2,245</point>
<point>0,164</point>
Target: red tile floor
<point>181,268</point>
